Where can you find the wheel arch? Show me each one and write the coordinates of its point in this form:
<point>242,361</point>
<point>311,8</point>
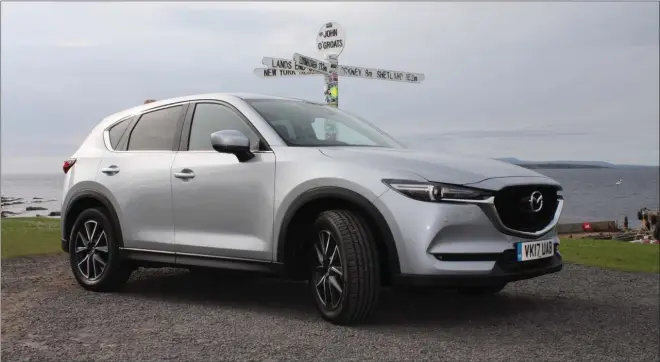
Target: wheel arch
<point>81,201</point>
<point>307,205</point>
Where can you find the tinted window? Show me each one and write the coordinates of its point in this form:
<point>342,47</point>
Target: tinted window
<point>155,130</point>
<point>117,131</point>
<point>209,118</point>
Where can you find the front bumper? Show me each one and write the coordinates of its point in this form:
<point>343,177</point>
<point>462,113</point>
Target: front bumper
<point>446,243</point>
<point>503,271</point>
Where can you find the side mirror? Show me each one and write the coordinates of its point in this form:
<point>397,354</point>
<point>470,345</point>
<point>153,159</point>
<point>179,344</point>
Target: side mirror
<point>234,142</point>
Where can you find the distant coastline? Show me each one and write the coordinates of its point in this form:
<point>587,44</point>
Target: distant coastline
<point>557,166</point>
<point>562,165</point>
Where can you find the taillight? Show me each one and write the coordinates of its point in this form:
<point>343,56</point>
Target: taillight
<point>68,164</point>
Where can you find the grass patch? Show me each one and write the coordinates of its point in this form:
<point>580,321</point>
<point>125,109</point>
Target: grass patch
<point>612,254</point>
<point>30,236</point>
<point>33,236</point>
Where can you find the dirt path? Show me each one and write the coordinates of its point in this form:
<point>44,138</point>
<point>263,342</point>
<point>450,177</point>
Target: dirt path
<point>578,314</point>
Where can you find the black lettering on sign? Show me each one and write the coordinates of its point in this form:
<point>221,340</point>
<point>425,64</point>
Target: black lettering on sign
<point>269,72</point>
<point>284,64</point>
<point>301,68</point>
<point>368,73</point>
<point>331,44</point>
<point>287,72</point>
<point>356,72</point>
<point>322,67</point>
<point>329,33</point>
<point>411,77</point>
<point>309,62</point>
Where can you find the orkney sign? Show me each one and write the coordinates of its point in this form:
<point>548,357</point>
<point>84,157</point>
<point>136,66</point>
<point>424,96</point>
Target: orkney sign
<point>330,42</point>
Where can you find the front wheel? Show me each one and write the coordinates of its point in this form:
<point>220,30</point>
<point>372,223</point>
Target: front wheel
<point>345,272</point>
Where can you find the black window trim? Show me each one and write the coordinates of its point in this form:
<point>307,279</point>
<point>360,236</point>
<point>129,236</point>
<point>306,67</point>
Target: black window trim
<point>187,124</point>
<point>123,144</point>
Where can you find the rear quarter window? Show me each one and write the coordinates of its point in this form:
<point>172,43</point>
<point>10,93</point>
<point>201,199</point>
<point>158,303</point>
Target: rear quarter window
<point>117,131</point>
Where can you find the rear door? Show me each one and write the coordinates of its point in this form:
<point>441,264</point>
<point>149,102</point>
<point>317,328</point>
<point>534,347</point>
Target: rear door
<point>137,175</point>
<point>225,209</point>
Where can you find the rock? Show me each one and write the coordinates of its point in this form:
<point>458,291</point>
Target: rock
<point>35,208</point>
<point>5,213</point>
<point>10,199</point>
<point>55,213</point>
<point>41,200</point>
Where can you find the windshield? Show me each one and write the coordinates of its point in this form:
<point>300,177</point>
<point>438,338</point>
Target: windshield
<point>306,124</point>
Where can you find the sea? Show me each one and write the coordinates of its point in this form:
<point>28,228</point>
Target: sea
<point>590,194</point>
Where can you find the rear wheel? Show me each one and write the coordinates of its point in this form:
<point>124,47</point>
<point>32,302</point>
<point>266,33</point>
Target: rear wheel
<point>482,289</point>
<point>345,272</point>
<point>94,253</point>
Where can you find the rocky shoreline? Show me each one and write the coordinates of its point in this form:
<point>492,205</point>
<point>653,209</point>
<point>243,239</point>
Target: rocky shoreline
<point>6,201</point>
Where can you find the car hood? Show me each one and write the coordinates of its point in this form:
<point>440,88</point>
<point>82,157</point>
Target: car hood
<point>436,167</point>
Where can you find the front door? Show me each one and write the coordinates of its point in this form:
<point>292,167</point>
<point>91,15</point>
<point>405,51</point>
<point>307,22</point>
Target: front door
<point>222,207</point>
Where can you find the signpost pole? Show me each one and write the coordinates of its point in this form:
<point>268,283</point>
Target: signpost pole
<point>332,82</point>
<point>331,95</point>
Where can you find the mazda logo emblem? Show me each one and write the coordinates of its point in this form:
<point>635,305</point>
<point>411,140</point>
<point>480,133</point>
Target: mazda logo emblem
<point>536,201</point>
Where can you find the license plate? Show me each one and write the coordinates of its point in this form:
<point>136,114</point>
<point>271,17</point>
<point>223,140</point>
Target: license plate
<point>533,250</point>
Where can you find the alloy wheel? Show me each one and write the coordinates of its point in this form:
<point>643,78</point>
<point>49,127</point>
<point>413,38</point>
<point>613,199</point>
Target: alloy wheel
<point>91,250</point>
<point>328,271</point>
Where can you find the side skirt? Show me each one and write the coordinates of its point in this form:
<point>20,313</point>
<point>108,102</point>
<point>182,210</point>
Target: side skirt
<point>155,258</point>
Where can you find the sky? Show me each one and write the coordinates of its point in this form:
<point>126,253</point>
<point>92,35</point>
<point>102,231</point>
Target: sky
<point>536,81</point>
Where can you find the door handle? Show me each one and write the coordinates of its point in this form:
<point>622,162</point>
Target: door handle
<point>185,174</point>
<point>112,170</point>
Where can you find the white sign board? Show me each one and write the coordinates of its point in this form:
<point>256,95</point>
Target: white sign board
<point>381,74</point>
<point>274,72</point>
<point>331,39</point>
<point>312,64</point>
<point>279,63</point>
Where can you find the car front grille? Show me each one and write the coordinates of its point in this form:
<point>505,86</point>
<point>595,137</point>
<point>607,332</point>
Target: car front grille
<point>517,212</point>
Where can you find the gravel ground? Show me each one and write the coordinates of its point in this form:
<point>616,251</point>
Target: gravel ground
<point>165,314</point>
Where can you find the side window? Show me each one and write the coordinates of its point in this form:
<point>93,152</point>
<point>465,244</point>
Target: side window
<point>117,131</point>
<point>155,131</point>
<point>209,118</point>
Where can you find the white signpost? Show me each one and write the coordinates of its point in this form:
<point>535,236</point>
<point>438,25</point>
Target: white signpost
<point>330,43</point>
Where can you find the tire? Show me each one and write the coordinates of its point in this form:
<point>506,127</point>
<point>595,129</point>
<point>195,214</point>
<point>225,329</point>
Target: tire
<point>482,289</point>
<point>92,274</point>
<point>351,250</point>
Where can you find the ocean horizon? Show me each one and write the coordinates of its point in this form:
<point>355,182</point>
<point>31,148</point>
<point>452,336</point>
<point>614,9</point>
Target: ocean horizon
<point>590,194</point>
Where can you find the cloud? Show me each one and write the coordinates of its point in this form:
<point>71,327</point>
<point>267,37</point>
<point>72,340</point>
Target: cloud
<point>501,78</point>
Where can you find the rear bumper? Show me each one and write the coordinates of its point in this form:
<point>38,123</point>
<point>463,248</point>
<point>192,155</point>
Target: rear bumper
<point>505,270</point>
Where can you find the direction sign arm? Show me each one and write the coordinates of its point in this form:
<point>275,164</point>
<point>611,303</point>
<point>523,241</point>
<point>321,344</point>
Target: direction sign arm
<point>380,74</point>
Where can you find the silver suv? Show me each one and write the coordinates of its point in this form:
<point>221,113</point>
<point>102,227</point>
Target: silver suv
<point>300,190</point>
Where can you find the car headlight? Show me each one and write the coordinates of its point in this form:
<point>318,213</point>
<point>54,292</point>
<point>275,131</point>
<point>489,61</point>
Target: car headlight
<point>434,192</point>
